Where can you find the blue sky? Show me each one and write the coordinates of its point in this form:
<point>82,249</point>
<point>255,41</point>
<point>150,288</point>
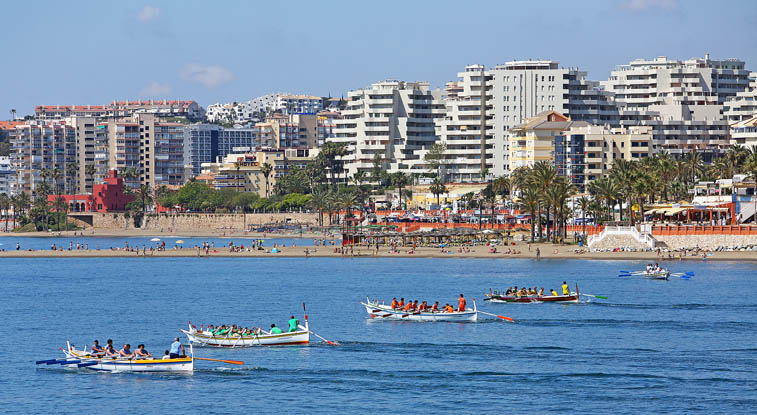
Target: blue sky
<point>92,52</point>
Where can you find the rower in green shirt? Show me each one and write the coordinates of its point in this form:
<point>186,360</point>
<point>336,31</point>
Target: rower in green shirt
<point>293,324</point>
<point>275,330</point>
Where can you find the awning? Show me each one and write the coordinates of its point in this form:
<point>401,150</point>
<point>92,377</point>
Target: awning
<point>674,211</point>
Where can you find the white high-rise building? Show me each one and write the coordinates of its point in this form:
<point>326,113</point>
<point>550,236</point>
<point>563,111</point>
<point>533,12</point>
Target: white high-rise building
<point>642,84</point>
<point>393,119</point>
<point>520,90</point>
<point>744,105</point>
<point>460,129</point>
<point>298,104</point>
<point>681,100</point>
<point>7,176</point>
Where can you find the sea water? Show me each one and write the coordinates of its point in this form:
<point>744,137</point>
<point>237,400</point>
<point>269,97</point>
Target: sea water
<point>675,346</point>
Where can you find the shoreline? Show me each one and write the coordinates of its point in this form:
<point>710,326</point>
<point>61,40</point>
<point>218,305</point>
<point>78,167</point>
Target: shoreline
<point>480,252</point>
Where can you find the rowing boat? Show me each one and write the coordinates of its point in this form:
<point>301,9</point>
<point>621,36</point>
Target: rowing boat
<point>657,275</point>
<point>534,299</point>
<point>82,359</point>
<point>386,312</point>
<point>264,338</point>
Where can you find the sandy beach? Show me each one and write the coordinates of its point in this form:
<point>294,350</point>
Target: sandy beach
<point>547,251</point>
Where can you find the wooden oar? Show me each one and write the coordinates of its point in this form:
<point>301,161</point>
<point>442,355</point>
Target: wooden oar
<point>231,362</point>
<point>329,342</point>
<point>495,315</point>
<point>595,296</point>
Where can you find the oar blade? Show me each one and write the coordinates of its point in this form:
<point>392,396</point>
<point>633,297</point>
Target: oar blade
<point>45,362</point>
<point>601,296</point>
<point>86,364</point>
<point>505,318</point>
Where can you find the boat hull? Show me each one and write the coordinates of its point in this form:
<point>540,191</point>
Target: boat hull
<point>199,338</point>
<point>119,365</point>
<point>573,298</point>
<point>384,312</point>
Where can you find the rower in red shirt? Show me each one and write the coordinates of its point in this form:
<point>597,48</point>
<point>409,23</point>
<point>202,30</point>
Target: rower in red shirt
<point>401,304</point>
<point>435,307</point>
<point>395,304</point>
<point>408,306</point>
<point>461,303</point>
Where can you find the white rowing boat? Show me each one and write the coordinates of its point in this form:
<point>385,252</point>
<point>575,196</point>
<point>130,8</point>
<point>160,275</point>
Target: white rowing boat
<point>386,312</point>
<point>206,338</point>
<point>82,359</point>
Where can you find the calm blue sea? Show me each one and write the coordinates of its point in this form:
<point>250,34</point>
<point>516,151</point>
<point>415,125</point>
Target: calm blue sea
<point>679,346</point>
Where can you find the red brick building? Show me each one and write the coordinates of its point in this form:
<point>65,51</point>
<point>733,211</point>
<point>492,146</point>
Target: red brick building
<point>108,196</point>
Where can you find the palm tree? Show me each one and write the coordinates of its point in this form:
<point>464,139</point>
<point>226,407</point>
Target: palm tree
<point>583,204</point>
<point>624,174</point>
<point>437,188</point>
<point>144,194</point>
<point>331,153</point>
<point>318,202</point>
<point>530,199</point>
<point>90,171</point>
<point>665,166</point>
<point>543,174</point>
<point>266,169</point>
<point>399,179</point>
<point>72,170</point>
<point>61,205</point>
<point>5,204</point>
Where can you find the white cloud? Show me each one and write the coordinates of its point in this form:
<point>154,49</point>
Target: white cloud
<point>638,5</point>
<point>148,13</point>
<point>210,76</point>
<point>155,90</point>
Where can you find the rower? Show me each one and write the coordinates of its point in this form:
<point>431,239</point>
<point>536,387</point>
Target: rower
<point>461,303</point>
<point>553,292</point>
<point>541,292</point>
<point>395,304</point>
<point>275,330</point>
<point>415,305</point>
<point>97,350</point>
<point>141,352</point>
<point>408,306</point>
<point>167,355</point>
<point>565,289</point>
<point>423,306</point>
<point>401,304</point>
<point>110,351</point>
<point>293,324</point>
<point>435,307</point>
<point>126,351</point>
<point>448,308</point>
<point>175,347</point>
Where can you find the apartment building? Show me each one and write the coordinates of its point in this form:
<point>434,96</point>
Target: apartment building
<point>744,133</point>
<point>151,146</point>
<point>744,105</point>
<point>327,126</point>
<point>643,84</point>
<point>164,108</point>
<point>244,171</point>
<point>91,149</point>
<point>585,153</point>
<point>460,128</point>
<point>206,143</point>
<point>394,119</point>
<point>295,104</point>
<point>534,140</point>
<point>7,176</point>
<point>683,101</point>
<point>39,145</point>
<point>293,130</point>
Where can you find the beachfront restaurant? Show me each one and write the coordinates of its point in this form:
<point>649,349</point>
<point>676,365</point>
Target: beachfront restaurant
<point>687,213</point>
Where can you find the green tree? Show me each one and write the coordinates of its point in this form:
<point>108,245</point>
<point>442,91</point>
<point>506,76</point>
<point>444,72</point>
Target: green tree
<point>437,188</point>
<point>266,170</point>
<point>435,157</point>
<point>90,171</point>
<point>72,171</point>
<point>399,180</point>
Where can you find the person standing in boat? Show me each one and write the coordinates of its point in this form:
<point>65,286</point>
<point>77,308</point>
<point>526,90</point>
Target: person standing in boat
<point>565,289</point>
<point>176,346</point>
<point>293,322</point>
<point>461,303</point>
